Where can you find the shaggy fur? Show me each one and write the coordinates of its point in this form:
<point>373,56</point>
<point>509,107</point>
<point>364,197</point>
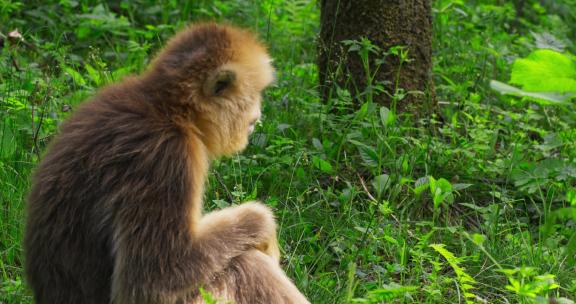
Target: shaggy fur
<point>114,214</point>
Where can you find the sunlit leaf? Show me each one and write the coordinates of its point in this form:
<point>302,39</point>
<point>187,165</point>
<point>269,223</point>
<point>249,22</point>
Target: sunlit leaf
<point>77,77</point>
<point>478,239</point>
<point>322,165</point>
<point>421,184</point>
<point>545,71</point>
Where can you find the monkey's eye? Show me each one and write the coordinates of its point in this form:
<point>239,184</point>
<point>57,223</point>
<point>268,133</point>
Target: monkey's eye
<point>220,86</point>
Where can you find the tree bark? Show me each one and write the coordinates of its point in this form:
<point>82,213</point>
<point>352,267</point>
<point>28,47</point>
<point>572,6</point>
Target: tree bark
<point>386,23</point>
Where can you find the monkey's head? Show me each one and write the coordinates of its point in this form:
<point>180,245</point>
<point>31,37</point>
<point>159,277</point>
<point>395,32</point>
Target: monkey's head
<point>216,74</point>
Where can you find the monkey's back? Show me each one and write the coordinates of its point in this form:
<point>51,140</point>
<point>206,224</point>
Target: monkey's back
<point>96,163</point>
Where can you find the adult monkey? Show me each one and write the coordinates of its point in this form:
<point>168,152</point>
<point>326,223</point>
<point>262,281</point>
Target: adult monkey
<point>115,211</point>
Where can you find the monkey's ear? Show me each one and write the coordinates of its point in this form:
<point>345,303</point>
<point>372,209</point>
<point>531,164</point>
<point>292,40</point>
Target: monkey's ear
<point>219,82</point>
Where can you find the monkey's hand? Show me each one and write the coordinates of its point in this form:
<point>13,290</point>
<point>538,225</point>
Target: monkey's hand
<point>271,248</point>
<point>240,228</point>
<point>269,245</point>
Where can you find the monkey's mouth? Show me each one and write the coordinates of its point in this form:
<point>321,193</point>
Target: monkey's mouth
<point>252,126</point>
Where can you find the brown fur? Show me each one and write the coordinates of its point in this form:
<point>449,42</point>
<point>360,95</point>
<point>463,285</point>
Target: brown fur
<point>114,215</point>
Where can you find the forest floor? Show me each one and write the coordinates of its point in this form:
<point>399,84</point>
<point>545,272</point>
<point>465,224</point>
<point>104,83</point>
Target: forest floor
<point>476,202</point>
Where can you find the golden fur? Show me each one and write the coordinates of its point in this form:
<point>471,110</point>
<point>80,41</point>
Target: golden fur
<point>115,210</point>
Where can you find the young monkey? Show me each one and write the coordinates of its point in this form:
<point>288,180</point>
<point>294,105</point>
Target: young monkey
<point>115,210</point>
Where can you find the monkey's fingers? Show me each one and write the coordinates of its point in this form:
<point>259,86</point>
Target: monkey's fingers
<point>271,248</point>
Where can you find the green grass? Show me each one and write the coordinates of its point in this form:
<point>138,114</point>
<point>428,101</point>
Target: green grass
<point>472,203</point>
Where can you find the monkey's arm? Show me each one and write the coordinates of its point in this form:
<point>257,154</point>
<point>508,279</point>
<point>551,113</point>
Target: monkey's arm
<point>157,260</point>
<point>160,253</point>
<point>250,225</point>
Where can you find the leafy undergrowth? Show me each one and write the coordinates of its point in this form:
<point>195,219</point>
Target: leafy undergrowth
<point>474,202</point>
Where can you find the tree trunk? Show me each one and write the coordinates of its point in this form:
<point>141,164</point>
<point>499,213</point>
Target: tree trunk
<point>386,23</point>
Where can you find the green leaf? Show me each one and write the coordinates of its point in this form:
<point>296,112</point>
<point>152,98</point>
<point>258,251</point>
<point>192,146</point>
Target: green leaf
<point>368,154</point>
<point>571,197</point>
<point>221,203</point>
<point>458,187</point>
<point>77,77</point>
<point>361,113</point>
<point>444,184</point>
<point>540,97</point>
<point>564,301</point>
<point>548,41</point>
<point>322,165</point>
<point>473,207</point>
<point>83,32</point>
<point>441,190</point>
<point>388,292</point>
<point>478,239</point>
<point>94,75</point>
<point>432,184</point>
<point>207,297</point>
<point>381,183</point>
<point>545,71</point>
<point>390,240</point>
<point>387,117</point>
<point>465,281</point>
<point>317,144</point>
<point>421,184</point>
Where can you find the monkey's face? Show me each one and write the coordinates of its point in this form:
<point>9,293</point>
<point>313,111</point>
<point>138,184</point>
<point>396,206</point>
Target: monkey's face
<point>232,103</point>
<point>255,118</point>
